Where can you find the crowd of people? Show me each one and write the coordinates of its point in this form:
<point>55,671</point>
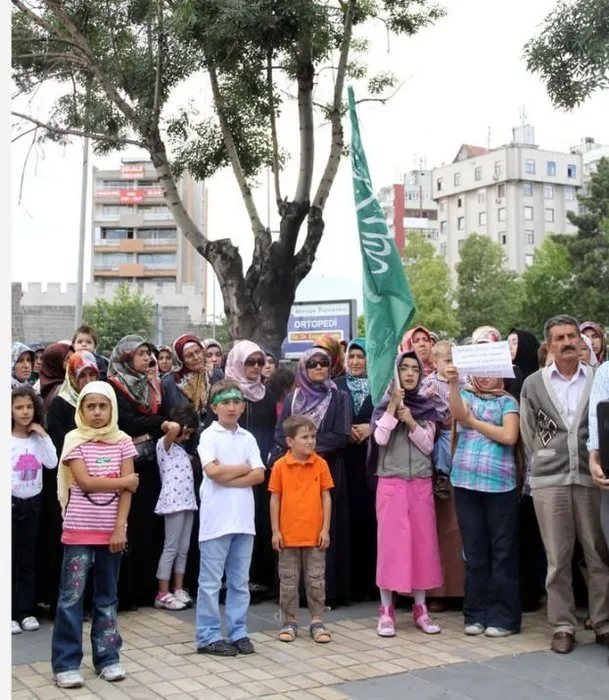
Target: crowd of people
<point>177,475</point>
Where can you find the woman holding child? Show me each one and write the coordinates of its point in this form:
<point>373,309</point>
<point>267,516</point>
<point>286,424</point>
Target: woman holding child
<point>317,396</point>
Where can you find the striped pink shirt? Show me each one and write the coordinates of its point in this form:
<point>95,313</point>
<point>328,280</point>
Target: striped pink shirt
<point>90,518</point>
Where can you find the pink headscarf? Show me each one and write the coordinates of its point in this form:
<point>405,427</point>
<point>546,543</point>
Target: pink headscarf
<point>252,389</point>
<point>406,346</point>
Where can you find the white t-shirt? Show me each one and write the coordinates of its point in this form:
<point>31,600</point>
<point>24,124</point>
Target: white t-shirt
<point>28,455</point>
<point>227,510</point>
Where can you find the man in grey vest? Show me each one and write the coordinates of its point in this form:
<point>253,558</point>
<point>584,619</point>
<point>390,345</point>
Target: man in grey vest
<point>600,392</point>
<point>554,427</point>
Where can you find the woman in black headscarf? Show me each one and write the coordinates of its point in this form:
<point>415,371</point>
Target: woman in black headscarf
<point>524,348</point>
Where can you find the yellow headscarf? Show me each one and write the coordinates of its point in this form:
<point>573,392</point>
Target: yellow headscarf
<point>84,433</point>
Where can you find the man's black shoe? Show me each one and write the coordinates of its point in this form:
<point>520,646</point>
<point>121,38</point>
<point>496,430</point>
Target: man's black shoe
<point>219,648</point>
<point>244,646</point>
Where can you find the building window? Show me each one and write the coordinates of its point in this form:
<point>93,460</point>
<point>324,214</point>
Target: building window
<point>498,170</point>
<point>501,215</point>
<point>111,261</point>
<point>478,174</point>
<point>441,205</point>
<point>569,194</point>
<point>459,202</point>
<point>482,218</point>
<point>158,260</point>
<point>114,185</point>
<point>481,196</point>
<point>500,191</point>
<point>548,192</point>
<point>111,209</point>
<point>530,236</point>
<point>443,226</point>
<point>529,167</point>
<point>528,259</point>
<point>116,234</point>
<point>571,170</point>
<point>158,235</point>
<point>440,184</point>
<point>502,237</point>
<point>443,249</point>
<point>549,216</point>
<point>457,179</point>
<point>551,168</point>
<point>461,223</point>
<point>460,243</point>
<point>527,189</point>
<point>528,213</point>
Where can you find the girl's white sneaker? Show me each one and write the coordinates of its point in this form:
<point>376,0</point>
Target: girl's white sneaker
<point>15,627</point>
<point>69,679</point>
<point>113,673</point>
<point>30,624</point>
<point>474,629</point>
<point>182,596</point>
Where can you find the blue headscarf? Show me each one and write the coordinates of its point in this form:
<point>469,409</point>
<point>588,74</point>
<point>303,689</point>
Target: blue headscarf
<point>358,386</point>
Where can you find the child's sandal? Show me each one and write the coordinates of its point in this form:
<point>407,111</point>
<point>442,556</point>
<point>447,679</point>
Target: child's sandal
<point>288,632</point>
<point>319,633</point>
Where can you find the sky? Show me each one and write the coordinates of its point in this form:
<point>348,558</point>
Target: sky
<point>462,80</point>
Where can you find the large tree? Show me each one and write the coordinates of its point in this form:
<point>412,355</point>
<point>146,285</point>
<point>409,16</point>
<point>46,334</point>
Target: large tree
<point>487,291</point>
<point>571,51</point>
<point>120,63</point>
<point>431,287</point>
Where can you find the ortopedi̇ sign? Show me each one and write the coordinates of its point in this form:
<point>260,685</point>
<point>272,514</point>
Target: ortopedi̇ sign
<point>309,320</point>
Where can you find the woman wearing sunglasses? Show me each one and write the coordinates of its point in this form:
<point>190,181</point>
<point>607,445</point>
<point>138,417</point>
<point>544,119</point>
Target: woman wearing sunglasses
<point>244,364</point>
<point>317,396</point>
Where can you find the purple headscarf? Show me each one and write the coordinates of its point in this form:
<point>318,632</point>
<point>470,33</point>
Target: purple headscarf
<point>311,399</point>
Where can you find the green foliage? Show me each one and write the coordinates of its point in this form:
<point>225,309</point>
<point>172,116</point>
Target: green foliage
<point>487,292</point>
<point>571,52</point>
<point>129,312</point>
<point>361,326</point>
<point>547,286</point>
<point>430,283</point>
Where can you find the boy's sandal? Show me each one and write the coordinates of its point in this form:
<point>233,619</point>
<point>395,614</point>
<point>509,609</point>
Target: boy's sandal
<point>319,633</point>
<point>288,632</point>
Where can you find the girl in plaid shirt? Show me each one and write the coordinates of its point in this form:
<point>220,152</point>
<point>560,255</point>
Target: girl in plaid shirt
<point>485,480</point>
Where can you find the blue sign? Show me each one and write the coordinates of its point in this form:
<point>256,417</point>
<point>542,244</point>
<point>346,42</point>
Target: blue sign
<point>309,320</point>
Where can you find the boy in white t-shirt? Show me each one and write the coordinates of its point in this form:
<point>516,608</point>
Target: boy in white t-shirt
<point>231,466</point>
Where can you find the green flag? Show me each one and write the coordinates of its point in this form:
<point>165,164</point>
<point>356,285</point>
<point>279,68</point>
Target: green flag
<point>388,303</point>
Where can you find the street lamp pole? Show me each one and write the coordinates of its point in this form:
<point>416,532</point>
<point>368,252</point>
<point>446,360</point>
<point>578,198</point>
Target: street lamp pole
<point>82,233</point>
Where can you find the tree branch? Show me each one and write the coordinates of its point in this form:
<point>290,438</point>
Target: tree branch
<point>274,141</point>
<point>304,76</point>
<point>75,132</point>
<point>25,162</point>
<point>157,81</point>
<point>260,232</point>
<point>24,133</point>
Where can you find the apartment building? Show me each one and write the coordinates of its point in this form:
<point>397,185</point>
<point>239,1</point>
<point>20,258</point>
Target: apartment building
<point>410,207</point>
<point>515,194</point>
<point>135,238</point>
<point>591,152</point>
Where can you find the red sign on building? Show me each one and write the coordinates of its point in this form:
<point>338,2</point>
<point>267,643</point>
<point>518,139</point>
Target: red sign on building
<point>132,171</point>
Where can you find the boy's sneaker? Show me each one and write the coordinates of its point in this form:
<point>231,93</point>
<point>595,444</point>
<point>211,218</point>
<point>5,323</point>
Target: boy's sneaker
<point>441,487</point>
<point>422,620</point>
<point>113,673</point>
<point>474,629</point>
<point>167,601</point>
<point>385,626</point>
<point>30,624</point>
<point>219,648</point>
<point>69,679</point>
<point>182,596</point>
<point>244,645</point>
<point>498,632</point>
<point>15,627</point>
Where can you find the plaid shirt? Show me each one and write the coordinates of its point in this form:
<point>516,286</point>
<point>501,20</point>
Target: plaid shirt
<point>481,464</point>
<point>600,392</point>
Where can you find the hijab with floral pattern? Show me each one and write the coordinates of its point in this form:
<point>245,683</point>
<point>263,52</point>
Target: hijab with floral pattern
<point>139,387</point>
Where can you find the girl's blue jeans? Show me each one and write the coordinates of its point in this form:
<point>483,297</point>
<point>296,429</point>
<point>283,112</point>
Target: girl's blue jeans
<point>106,641</point>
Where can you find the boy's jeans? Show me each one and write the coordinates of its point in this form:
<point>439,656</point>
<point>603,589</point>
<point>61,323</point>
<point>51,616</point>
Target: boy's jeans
<point>67,633</point>
<point>233,554</point>
<point>442,457</point>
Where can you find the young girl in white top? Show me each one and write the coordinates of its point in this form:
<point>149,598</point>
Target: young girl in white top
<point>177,504</point>
<point>94,486</point>
<point>31,449</point>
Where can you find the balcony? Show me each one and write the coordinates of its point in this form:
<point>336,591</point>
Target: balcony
<point>158,216</point>
<point>108,242</point>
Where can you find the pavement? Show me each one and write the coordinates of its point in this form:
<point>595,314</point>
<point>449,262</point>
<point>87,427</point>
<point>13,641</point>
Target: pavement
<point>160,658</point>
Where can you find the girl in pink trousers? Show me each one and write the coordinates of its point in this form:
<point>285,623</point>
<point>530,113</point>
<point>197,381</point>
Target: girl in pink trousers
<point>408,560</point>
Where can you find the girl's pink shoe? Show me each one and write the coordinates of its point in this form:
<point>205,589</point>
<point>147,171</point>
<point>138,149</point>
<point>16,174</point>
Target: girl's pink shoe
<point>385,627</point>
<point>422,620</point>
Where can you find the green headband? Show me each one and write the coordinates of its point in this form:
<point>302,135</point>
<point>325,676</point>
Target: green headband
<point>227,395</point>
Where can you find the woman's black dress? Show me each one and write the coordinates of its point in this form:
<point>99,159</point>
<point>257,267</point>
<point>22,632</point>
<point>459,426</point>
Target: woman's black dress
<point>362,509</point>
<point>332,437</point>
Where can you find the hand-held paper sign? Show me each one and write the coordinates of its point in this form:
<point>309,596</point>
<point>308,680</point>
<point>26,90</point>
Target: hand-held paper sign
<point>484,360</point>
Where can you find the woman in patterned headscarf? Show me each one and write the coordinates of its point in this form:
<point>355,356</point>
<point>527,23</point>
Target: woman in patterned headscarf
<point>317,396</point>
<point>337,354</point>
<point>138,396</point>
<point>22,363</point>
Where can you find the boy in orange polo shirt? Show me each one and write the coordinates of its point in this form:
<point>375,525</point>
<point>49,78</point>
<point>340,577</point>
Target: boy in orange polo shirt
<point>300,486</point>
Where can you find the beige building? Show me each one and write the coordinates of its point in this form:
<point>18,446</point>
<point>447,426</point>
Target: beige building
<point>515,194</point>
<point>135,238</point>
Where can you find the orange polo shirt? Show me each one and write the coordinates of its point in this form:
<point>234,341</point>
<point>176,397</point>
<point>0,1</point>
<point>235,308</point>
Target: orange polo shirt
<point>300,486</point>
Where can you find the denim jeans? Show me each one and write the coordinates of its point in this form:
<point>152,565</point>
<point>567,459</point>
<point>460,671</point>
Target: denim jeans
<point>106,641</point>
<point>489,529</point>
<point>442,457</point>
<point>233,554</point>
<point>25,517</point>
